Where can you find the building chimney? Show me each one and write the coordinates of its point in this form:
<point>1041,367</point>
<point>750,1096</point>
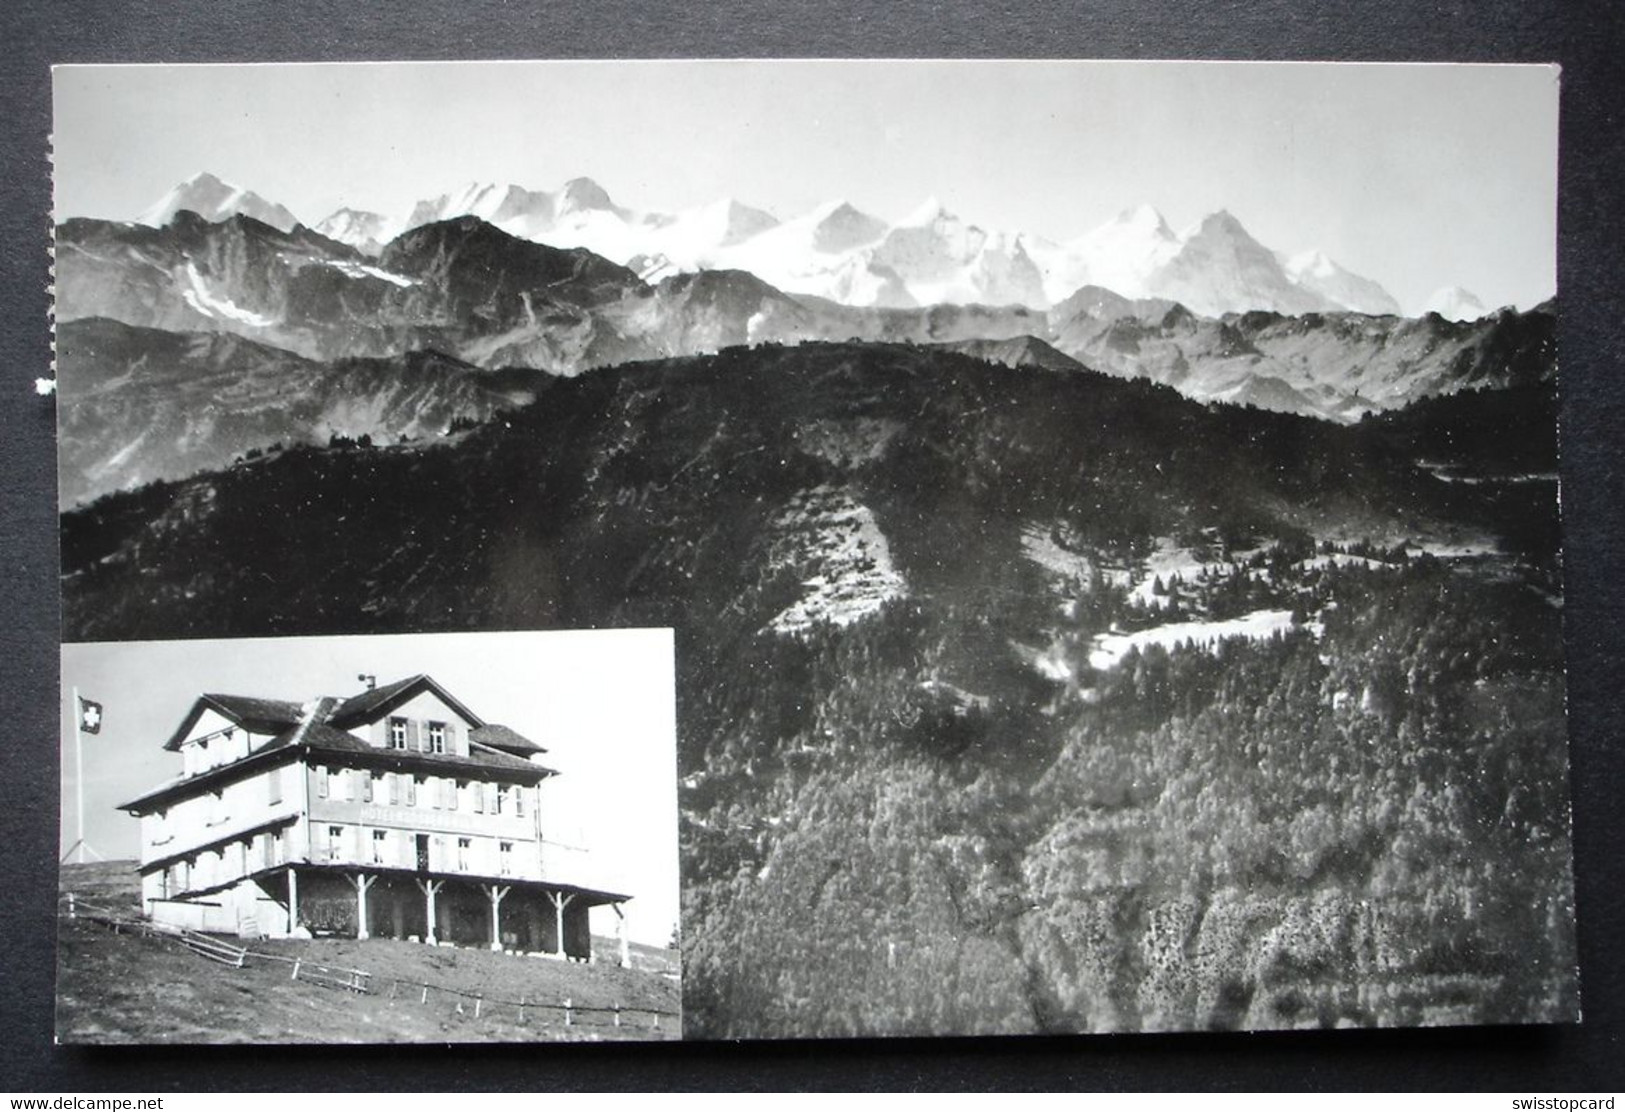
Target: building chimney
<point>370,680</point>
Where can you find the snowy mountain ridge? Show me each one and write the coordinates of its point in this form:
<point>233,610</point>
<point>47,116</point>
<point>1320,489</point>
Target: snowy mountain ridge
<point>840,253</point>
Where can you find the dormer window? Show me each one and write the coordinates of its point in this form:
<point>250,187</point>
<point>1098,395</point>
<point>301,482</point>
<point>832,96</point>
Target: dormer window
<point>437,737</point>
<point>397,733</point>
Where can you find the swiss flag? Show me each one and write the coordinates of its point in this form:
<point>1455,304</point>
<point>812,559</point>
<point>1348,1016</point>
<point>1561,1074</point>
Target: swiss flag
<point>90,716</point>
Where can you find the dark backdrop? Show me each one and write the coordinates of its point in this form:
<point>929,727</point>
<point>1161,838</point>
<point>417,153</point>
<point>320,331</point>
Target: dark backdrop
<point>1584,35</point>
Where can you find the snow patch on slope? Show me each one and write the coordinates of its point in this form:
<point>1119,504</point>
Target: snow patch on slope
<point>198,295</point>
<point>353,269</point>
<point>1110,648</point>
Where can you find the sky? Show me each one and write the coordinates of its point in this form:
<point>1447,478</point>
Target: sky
<point>600,701</point>
<point>1418,176</point>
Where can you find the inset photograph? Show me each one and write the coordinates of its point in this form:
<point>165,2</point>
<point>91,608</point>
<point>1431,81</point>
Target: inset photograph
<point>452,837</point>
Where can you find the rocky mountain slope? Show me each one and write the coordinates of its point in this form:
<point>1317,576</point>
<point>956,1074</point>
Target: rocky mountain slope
<point>465,287</point>
<point>140,404</point>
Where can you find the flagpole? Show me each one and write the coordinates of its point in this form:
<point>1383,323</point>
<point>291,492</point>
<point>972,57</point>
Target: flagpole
<point>80,846</point>
<point>79,770</point>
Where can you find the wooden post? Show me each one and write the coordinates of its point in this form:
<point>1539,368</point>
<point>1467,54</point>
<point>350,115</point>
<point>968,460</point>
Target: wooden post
<point>430,887</point>
<point>478,1000</point>
<point>293,900</point>
<point>425,998</point>
<point>559,904</point>
<point>73,912</point>
<point>496,893</point>
<point>620,936</point>
<point>617,1015</point>
<point>362,882</point>
<point>521,1009</point>
<point>567,1017</point>
<point>295,976</point>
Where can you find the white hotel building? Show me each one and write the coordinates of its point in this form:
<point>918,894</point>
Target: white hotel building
<point>397,812</point>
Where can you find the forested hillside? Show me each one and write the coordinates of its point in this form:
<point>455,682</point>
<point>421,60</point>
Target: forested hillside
<point>1010,699</point>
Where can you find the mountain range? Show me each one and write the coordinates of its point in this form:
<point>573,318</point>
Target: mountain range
<point>837,252</point>
<point>488,299</point>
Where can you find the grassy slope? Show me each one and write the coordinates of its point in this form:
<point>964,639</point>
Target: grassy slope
<point>121,988</point>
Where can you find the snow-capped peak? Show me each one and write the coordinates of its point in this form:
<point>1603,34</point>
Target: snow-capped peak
<point>1220,268</point>
<point>1120,254</point>
<point>1319,274</point>
<point>584,195</point>
<point>216,200</point>
<point>366,231</point>
<point>1455,303</point>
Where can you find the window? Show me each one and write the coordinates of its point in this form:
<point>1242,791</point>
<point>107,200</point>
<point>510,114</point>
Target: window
<point>380,842</point>
<point>456,787</point>
<point>335,843</point>
<point>397,733</point>
<point>477,790</point>
<point>505,857</point>
<point>437,737</point>
<point>337,786</point>
<point>411,791</point>
<point>373,787</point>
<point>519,802</point>
<point>463,845</point>
<point>273,787</point>
<point>503,802</point>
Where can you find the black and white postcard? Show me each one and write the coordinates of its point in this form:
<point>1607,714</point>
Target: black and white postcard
<point>1106,513</point>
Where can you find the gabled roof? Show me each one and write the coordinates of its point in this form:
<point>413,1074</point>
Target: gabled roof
<point>315,739</point>
<point>370,706</point>
<point>272,716</point>
<point>501,737</point>
<point>260,716</point>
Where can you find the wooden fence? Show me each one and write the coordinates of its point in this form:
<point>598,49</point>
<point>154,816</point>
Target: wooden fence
<point>361,982</point>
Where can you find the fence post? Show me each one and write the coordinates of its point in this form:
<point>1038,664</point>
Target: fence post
<point>478,1000</point>
<point>73,910</point>
<point>425,999</point>
<point>567,1017</point>
<point>295,976</point>
<point>521,1009</point>
<point>617,1015</point>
